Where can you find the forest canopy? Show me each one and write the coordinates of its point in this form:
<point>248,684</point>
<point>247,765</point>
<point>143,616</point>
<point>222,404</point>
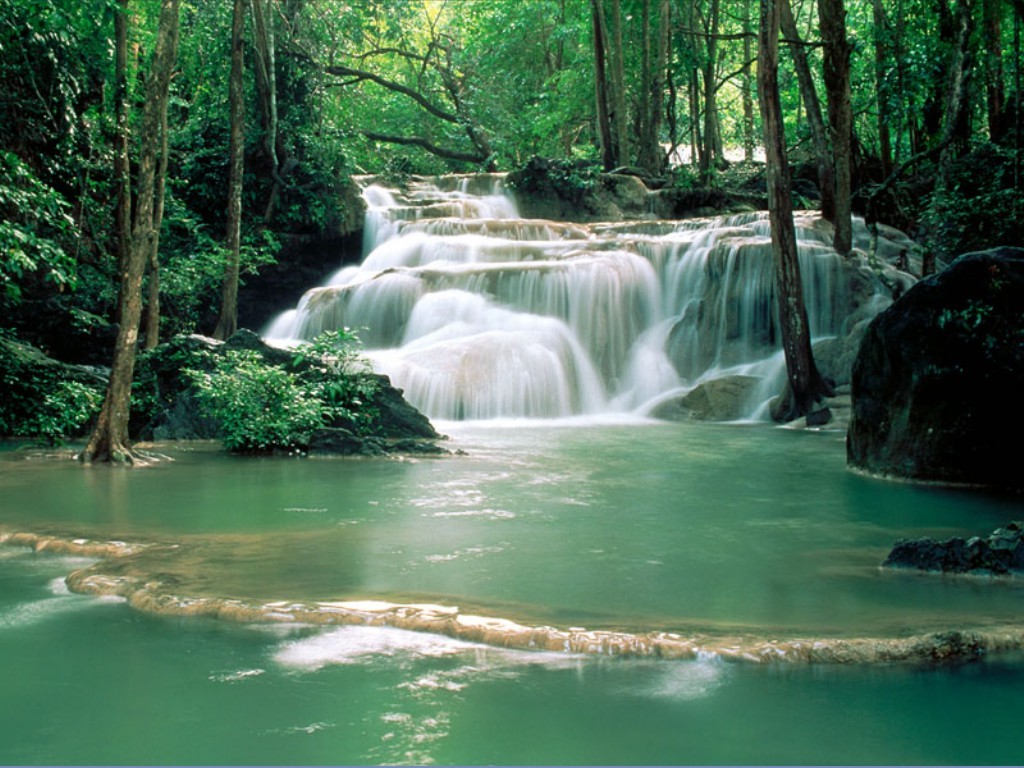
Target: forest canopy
<point>910,106</point>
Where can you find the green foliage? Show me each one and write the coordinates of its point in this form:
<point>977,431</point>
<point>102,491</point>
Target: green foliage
<point>260,407</point>
<point>41,398</point>
<point>64,412</point>
<point>263,407</point>
<point>569,180</point>
<point>32,218</point>
<point>979,208</point>
<point>336,373</point>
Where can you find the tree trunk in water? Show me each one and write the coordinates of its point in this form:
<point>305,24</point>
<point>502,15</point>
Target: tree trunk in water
<point>227,321</point>
<point>809,93</point>
<point>604,124</point>
<point>805,384</point>
<point>109,440</point>
<point>836,74</point>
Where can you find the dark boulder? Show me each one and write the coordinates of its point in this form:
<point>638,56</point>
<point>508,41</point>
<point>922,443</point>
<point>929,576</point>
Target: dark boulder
<point>938,374</point>
<point>1001,553</point>
<point>341,442</point>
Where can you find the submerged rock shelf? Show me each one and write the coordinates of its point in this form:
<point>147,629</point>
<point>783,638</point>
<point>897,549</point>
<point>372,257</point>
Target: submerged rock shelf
<point>150,593</point>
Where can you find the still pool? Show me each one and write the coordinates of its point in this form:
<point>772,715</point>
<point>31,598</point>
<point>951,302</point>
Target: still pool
<point>734,534</point>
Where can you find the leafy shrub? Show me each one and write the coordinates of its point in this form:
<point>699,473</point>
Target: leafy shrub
<point>339,376</point>
<point>65,412</point>
<point>259,406</point>
<point>71,397</point>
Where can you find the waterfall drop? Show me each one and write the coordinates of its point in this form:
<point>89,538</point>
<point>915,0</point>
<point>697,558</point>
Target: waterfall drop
<point>477,313</point>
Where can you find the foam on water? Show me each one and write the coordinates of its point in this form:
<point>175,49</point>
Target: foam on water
<point>356,645</point>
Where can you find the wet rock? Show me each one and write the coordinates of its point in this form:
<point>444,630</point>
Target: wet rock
<point>723,399</point>
<point>335,441</point>
<point>1001,553</point>
<point>935,373</point>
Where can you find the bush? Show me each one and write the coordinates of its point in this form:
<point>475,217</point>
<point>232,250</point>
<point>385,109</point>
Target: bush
<point>340,378</point>
<point>260,407</point>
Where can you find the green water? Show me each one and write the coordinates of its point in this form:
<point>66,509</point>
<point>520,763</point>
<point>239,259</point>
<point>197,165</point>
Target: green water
<point>742,529</point>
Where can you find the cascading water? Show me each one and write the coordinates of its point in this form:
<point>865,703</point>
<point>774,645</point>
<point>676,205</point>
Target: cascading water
<point>478,314</point>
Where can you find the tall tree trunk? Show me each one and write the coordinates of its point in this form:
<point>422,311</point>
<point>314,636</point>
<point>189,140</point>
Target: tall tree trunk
<point>266,83</point>
<point>604,125</point>
<point>650,155</point>
<point>748,86</point>
<point>836,74</point>
<point>805,384</point>
<point>109,440</point>
<point>153,299</point>
<point>227,321</point>
<point>992,12</point>
<point>708,156</point>
<point>122,162</point>
<point>812,107</point>
<point>620,117</point>
<point>882,58</point>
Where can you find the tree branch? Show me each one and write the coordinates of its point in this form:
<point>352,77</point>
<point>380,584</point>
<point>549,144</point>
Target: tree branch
<point>339,70</point>
<point>417,141</point>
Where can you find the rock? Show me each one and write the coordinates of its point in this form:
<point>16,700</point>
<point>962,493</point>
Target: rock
<point>937,374</point>
<point>340,442</point>
<point>723,399</point>
<point>1001,553</point>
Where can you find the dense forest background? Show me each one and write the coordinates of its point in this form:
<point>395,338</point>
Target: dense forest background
<point>271,105</point>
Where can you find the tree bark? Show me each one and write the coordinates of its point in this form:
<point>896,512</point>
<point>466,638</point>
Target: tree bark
<point>994,90</point>
<point>836,74</point>
<point>806,386</point>
<point>620,118</point>
<point>227,321</point>
<point>812,107</point>
<point>604,124</point>
<point>708,156</point>
<point>109,440</point>
<point>748,87</point>
<point>650,155</point>
<point>882,57</point>
<point>122,162</point>
<point>153,260</point>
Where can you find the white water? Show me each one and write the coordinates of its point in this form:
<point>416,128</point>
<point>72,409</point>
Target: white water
<point>478,314</point>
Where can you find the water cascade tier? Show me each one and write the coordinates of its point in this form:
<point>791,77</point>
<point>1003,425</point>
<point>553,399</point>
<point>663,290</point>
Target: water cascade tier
<point>477,313</point>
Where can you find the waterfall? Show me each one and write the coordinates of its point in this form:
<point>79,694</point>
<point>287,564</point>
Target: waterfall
<point>477,313</point>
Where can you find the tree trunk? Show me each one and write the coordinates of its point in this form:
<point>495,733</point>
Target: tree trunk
<point>812,107</point>
<point>805,384</point>
<point>266,85</point>
<point>227,321</point>
<point>994,90</point>
<point>708,156</point>
<point>604,124</point>
<point>153,261</point>
<point>882,58</point>
<point>122,162</point>
<point>620,117</point>
<point>836,74</point>
<point>748,87</point>
<point>109,440</point>
<point>650,155</point>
